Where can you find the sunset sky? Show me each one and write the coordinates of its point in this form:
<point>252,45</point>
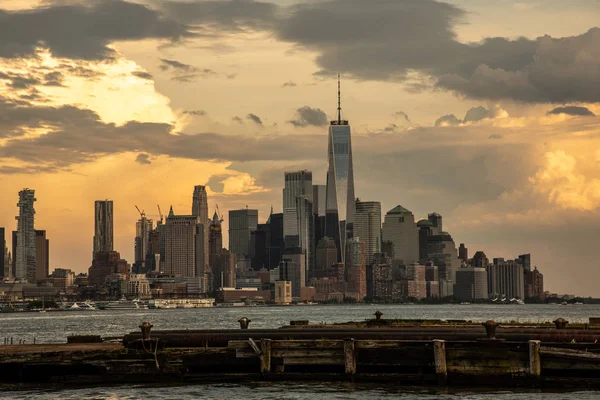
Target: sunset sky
<point>487,112</point>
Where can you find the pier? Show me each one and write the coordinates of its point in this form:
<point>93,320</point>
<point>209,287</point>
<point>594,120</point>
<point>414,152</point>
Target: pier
<point>433,353</point>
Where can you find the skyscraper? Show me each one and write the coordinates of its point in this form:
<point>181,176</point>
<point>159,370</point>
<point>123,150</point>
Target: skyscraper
<point>399,228</point>
<point>319,196</point>
<point>143,228</point>
<point>25,249</point>
<point>103,226</point>
<point>463,253</point>
<point>241,224</point>
<point>367,226</point>
<point>339,203</point>
<point>3,253</point>
<point>298,183</point>
<point>436,221</point>
<point>42,256</point>
<point>182,238</point>
<point>200,211</point>
<point>356,267</point>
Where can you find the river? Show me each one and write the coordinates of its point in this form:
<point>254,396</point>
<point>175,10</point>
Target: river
<point>56,326</point>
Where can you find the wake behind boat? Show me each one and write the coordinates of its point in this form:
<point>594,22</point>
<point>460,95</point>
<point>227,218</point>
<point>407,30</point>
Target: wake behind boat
<point>123,304</point>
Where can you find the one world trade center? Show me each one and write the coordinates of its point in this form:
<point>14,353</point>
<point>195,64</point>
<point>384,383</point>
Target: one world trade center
<point>340,205</point>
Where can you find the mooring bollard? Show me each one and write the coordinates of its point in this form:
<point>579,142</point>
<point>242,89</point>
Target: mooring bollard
<point>244,322</point>
<point>378,315</point>
<point>146,327</point>
<point>490,328</point>
<point>560,323</point>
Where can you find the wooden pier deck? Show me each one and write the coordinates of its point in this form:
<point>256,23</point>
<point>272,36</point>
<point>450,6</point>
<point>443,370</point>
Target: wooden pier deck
<point>357,354</point>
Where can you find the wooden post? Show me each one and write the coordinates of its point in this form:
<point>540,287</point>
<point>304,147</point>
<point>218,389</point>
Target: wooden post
<point>349,356</point>
<point>535,363</point>
<point>439,353</point>
<point>265,358</point>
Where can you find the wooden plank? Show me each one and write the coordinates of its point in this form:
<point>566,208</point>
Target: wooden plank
<point>384,344</point>
<point>315,361</point>
<point>285,353</point>
<point>349,357</point>
<point>265,348</point>
<point>535,362</point>
<point>313,344</point>
<point>569,353</point>
<point>439,353</point>
<point>484,366</point>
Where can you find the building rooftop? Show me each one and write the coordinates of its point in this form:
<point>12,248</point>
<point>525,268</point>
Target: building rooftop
<point>399,210</point>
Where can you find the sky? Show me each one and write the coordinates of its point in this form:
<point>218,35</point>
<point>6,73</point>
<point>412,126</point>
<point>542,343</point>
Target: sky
<point>487,112</point>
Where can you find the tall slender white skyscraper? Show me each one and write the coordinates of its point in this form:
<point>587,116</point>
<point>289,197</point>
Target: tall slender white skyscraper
<point>25,255</point>
<point>339,201</point>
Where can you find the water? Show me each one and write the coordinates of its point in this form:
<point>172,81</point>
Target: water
<point>56,326</point>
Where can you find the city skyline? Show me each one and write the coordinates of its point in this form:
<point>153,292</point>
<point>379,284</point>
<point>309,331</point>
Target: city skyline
<point>499,145</point>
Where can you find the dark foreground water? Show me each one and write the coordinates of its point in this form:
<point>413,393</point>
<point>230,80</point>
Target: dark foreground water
<point>56,326</point>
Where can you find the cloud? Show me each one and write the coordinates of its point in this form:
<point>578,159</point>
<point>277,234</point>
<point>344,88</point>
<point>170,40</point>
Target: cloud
<point>477,114</point>
<point>447,120</point>
<point>289,84</point>
<point>83,30</point>
<point>215,183</point>
<point>143,159</point>
<point>254,118</point>
<point>195,113</point>
<point>184,72</point>
<point>416,36</point>
<point>237,119</point>
<point>307,116</point>
<point>572,110</point>
<point>176,65</point>
<point>229,15</point>
<point>143,75</point>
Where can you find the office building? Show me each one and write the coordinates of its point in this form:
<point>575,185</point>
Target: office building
<point>241,224</point>
<point>223,270</point>
<point>104,264</point>
<point>367,226</point>
<point>319,200</point>
<point>442,251</point>
<point>200,211</point>
<point>103,226</point>
<point>42,256</point>
<point>143,228</point>
<point>436,222</point>
<point>471,284</point>
<point>182,240</point>
<point>25,249</point>
<point>3,254</point>
<point>291,268</point>
<point>339,203</point>
<point>506,279</point>
<point>326,255</point>
<point>356,268</point>
<point>463,253</point>
<point>425,228</point>
<point>399,228</point>
<point>525,261</point>
<point>534,284</point>
<point>283,292</point>
<point>298,183</point>
<point>480,260</point>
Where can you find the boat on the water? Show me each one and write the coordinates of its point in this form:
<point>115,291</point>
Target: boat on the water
<point>123,304</point>
<point>180,303</point>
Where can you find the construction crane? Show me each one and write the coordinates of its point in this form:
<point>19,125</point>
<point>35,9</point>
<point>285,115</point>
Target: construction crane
<point>142,214</point>
<point>160,213</point>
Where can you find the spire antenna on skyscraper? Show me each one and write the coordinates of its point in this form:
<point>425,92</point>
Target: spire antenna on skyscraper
<point>339,102</point>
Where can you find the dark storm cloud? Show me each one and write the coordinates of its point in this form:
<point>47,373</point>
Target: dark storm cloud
<point>307,116</point>
<point>79,135</point>
<point>255,118</point>
<point>385,39</point>
<point>215,183</point>
<point>83,31</point>
<point>231,15</point>
<point>143,159</point>
<point>572,110</point>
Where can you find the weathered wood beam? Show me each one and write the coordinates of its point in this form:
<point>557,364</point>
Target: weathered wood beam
<point>439,353</point>
<point>265,358</point>
<point>535,362</point>
<point>349,357</point>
